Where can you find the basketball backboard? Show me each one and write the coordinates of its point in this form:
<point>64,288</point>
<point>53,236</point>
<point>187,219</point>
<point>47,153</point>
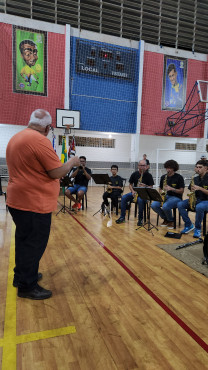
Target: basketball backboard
<point>203,90</point>
<point>67,118</point>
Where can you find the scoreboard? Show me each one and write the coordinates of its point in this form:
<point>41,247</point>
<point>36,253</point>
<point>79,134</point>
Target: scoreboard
<point>105,60</point>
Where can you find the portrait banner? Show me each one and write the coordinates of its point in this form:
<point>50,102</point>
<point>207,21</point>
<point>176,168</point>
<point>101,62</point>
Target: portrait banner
<point>29,61</point>
<point>174,83</point>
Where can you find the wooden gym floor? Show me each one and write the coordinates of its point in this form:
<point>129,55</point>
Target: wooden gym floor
<point>119,302</point>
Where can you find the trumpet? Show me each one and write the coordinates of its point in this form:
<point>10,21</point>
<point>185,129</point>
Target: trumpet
<point>164,192</point>
<point>108,189</point>
<point>139,182</point>
<point>192,196</point>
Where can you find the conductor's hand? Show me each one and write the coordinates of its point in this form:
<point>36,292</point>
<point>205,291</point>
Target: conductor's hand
<point>62,171</point>
<point>75,161</point>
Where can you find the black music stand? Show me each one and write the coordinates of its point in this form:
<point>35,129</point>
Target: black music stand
<point>148,194</point>
<point>101,179</point>
<point>65,182</point>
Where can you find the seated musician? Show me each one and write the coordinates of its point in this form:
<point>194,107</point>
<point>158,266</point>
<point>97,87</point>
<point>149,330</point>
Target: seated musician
<point>81,175</point>
<point>198,200</point>
<point>171,189</point>
<point>114,189</point>
<point>142,178</point>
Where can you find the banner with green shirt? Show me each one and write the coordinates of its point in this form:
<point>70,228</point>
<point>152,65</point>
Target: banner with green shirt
<point>29,61</point>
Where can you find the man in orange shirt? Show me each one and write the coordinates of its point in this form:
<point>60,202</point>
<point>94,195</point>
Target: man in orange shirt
<point>33,189</point>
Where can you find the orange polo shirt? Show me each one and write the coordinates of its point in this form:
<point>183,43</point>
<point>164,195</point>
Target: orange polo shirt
<point>29,156</point>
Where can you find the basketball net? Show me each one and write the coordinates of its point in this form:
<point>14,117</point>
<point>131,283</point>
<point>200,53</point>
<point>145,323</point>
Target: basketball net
<point>67,130</point>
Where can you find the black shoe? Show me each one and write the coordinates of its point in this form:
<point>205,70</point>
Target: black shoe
<point>15,282</point>
<point>120,220</point>
<point>36,293</point>
<point>140,223</point>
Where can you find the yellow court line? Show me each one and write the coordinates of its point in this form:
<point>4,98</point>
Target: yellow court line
<point>45,334</point>
<point>9,346</point>
<point>10,339</point>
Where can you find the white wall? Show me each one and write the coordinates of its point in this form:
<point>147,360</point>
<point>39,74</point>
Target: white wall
<point>125,145</point>
<point>121,152</point>
<point>6,132</point>
<point>149,144</point>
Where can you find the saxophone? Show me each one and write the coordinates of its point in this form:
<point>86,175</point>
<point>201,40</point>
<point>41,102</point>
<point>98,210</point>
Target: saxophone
<point>192,196</point>
<point>164,192</point>
<point>139,182</point>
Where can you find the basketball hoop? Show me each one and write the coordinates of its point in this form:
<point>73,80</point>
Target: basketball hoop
<point>67,119</point>
<point>203,90</point>
<point>67,130</point>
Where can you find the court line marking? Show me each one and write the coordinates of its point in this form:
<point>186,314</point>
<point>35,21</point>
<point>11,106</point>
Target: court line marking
<point>177,319</point>
<point>9,347</point>
<point>10,339</point>
<point>25,338</point>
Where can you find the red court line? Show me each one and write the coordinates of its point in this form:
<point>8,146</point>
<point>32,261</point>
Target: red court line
<point>180,322</point>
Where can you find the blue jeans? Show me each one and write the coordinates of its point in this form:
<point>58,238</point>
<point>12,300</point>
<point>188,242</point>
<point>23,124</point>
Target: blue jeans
<point>74,189</point>
<point>165,212</point>
<point>201,207</point>
<point>129,198</point>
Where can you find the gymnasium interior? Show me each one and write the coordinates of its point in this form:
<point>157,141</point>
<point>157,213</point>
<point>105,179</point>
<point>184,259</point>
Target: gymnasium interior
<point>124,297</point>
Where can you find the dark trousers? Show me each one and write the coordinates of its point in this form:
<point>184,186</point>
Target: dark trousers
<point>31,238</point>
<point>114,197</point>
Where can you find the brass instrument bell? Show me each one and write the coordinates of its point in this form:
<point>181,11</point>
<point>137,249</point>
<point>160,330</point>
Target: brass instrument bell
<point>109,190</point>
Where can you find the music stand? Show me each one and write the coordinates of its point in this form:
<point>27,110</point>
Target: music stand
<point>148,194</point>
<point>65,182</point>
<point>101,179</point>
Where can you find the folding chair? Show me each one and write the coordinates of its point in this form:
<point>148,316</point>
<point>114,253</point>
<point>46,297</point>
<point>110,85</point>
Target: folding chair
<point>118,205</point>
<point>174,218</point>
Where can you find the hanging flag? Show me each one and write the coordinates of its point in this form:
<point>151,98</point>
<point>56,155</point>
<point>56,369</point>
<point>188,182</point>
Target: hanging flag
<point>54,139</point>
<point>64,150</point>
<point>72,149</point>
<point>69,151</point>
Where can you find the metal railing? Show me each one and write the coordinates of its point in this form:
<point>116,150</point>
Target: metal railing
<point>4,172</point>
